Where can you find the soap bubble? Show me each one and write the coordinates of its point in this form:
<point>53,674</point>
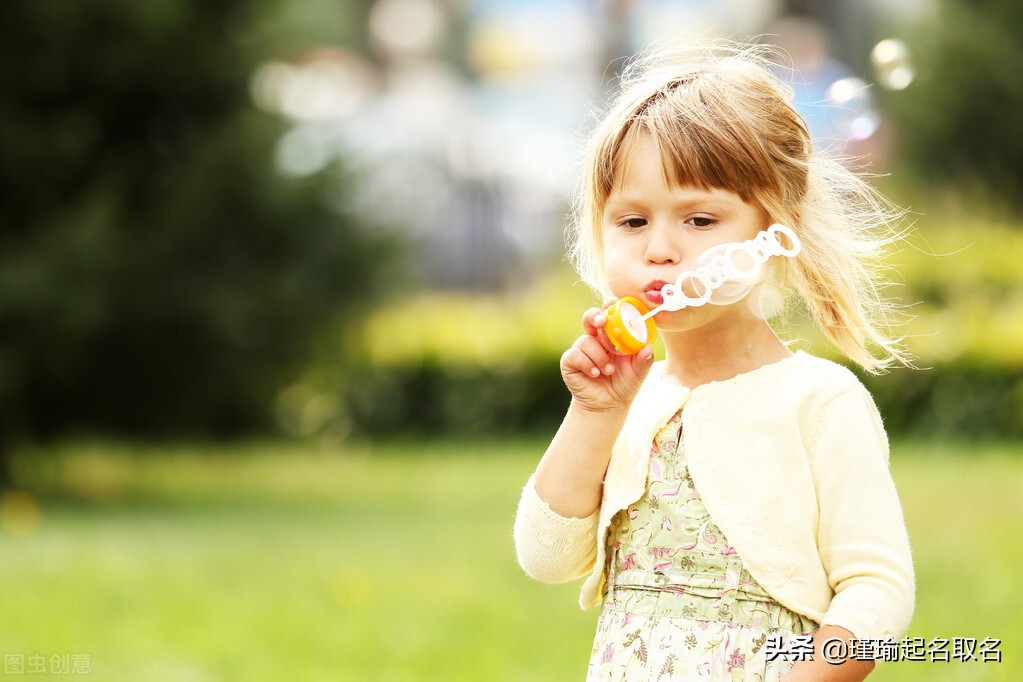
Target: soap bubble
<point>890,58</point>
<point>851,109</point>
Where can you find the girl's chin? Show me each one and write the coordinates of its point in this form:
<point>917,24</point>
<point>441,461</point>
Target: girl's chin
<point>707,317</point>
<point>687,319</point>
<point>672,320</point>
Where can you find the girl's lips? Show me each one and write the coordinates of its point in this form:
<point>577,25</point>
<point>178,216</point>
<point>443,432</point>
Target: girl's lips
<point>654,296</point>
<point>652,292</point>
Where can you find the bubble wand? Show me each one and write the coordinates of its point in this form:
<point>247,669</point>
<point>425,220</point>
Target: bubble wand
<point>724,274</point>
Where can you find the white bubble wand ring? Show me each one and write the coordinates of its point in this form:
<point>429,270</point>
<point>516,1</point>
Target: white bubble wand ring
<point>724,274</point>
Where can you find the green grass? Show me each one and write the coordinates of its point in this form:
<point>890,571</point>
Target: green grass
<point>395,562</point>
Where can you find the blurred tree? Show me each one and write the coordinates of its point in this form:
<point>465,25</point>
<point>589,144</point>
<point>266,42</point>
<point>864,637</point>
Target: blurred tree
<point>156,276</point>
<point>960,118</point>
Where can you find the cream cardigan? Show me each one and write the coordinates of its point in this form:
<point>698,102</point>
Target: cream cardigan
<point>791,461</point>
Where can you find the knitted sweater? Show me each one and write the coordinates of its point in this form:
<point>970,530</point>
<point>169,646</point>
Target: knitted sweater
<point>791,462</point>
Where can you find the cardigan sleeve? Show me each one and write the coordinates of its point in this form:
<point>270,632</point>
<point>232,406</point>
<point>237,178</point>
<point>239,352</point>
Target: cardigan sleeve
<point>861,536</point>
<point>553,548</point>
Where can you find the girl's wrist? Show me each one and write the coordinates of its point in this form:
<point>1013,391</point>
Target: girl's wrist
<point>603,413</point>
<point>595,428</point>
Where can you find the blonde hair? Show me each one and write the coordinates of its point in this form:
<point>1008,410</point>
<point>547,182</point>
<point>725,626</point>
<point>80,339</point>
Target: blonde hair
<point>723,119</point>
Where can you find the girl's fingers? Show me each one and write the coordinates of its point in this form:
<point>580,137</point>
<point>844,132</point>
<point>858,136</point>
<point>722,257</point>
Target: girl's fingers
<point>588,357</point>
<point>574,361</point>
<point>597,354</point>
<point>593,321</point>
<point>642,362</point>
<point>594,318</point>
<point>605,342</point>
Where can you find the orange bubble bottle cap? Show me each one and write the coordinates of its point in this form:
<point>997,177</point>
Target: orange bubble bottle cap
<point>626,327</point>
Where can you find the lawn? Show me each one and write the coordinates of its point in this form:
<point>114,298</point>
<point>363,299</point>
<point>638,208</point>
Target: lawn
<point>392,562</point>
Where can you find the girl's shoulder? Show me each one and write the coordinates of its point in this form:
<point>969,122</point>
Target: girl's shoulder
<point>822,373</point>
<point>831,393</point>
<point>814,382</point>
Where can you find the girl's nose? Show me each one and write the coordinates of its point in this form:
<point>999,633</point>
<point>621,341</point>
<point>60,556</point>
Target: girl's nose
<point>661,247</point>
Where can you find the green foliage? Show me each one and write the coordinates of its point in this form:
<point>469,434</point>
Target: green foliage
<point>959,275</point>
<point>156,276</point>
<point>430,398</point>
<point>959,120</point>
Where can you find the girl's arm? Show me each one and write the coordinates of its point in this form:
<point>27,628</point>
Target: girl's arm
<point>570,476</point>
<point>861,534</point>
<point>603,384</point>
<point>557,519</point>
<point>819,670</point>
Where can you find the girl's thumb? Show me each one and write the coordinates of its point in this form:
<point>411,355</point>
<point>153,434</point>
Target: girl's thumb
<point>642,361</point>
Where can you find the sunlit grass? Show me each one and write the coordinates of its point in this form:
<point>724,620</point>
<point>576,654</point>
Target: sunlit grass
<point>395,562</point>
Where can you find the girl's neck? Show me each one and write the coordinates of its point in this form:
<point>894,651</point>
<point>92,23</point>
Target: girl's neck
<point>703,355</point>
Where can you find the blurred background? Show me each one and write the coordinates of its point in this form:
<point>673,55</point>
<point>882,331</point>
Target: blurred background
<point>283,293</point>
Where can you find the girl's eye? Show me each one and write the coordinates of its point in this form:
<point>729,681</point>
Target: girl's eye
<point>702,221</point>
<point>634,223</point>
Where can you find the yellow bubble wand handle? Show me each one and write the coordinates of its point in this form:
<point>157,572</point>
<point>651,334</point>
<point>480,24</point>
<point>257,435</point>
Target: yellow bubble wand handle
<point>628,325</point>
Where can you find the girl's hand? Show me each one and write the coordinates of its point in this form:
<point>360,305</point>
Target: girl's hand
<point>599,376</point>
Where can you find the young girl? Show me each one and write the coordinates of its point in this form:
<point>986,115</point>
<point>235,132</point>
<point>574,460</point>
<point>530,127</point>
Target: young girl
<point>731,507</point>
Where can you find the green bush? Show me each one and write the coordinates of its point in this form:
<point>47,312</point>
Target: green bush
<point>157,277</point>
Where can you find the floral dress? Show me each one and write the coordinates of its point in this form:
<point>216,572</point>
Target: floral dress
<point>678,602</point>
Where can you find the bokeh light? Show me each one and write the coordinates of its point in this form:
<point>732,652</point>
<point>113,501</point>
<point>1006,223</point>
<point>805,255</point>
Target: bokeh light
<point>892,66</point>
<point>407,28</point>
<point>852,108</point>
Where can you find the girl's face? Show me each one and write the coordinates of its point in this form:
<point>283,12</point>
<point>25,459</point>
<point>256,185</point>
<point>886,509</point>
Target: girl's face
<point>653,232</point>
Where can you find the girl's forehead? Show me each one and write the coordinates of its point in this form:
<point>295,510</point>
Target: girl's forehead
<point>645,174</point>
<point>648,156</point>
<point>642,160</point>
<point>636,156</point>
<point>643,196</point>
